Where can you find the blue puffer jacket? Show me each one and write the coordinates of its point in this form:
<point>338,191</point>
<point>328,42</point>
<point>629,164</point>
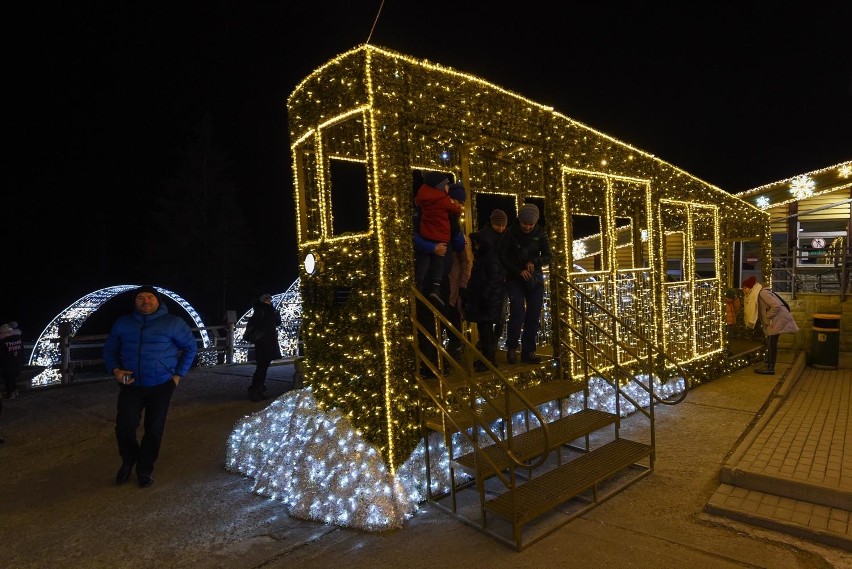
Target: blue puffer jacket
<point>155,347</point>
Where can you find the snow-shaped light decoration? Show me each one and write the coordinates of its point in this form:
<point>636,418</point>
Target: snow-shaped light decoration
<point>762,202</point>
<point>845,171</point>
<point>318,465</point>
<point>802,187</point>
<point>321,468</point>
<point>644,234</point>
<point>578,249</point>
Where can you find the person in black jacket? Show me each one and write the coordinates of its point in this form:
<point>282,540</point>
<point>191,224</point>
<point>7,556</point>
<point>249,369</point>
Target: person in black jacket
<point>267,319</point>
<point>524,250</point>
<point>486,287</point>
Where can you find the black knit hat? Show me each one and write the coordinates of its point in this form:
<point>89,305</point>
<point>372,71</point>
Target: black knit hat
<point>146,288</point>
<point>436,179</point>
<point>457,192</point>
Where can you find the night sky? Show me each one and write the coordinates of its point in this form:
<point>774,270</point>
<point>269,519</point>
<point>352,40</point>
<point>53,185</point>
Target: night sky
<point>106,102</point>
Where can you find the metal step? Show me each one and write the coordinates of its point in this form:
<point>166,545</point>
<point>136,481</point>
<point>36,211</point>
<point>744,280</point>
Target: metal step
<point>544,492</point>
<point>530,444</point>
<point>503,407</point>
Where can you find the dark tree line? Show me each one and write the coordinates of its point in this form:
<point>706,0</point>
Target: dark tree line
<point>196,240</point>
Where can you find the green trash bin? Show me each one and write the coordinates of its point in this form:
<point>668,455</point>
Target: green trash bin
<point>825,341</point>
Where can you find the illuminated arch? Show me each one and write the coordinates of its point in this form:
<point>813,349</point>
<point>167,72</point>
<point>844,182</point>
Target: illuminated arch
<point>47,351</point>
<point>289,305</point>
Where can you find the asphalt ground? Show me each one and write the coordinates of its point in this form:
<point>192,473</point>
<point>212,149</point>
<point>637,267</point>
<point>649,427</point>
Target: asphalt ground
<point>60,506</point>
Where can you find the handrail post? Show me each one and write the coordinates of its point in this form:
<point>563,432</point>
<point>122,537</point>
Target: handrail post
<point>231,321</point>
<point>795,264</point>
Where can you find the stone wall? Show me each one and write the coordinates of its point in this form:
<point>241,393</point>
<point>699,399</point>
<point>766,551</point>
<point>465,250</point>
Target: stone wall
<point>804,307</point>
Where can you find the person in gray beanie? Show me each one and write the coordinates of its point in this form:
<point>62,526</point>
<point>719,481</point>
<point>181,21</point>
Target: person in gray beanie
<point>487,287</point>
<point>524,250</point>
<point>528,214</point>
<point>148,352</point>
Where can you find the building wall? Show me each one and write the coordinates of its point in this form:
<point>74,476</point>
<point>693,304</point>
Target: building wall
<point>804,307</point>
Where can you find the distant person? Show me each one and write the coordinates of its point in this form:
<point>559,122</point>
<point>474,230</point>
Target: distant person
<point>486,288</point>
<point>524,251</point>
<point>461,264</point>
<point>775,318</point>
<point>11,354</point>
<point>732,309</point>
<point>148,353</point>
<point>436,206</point>
<point>265,319</point>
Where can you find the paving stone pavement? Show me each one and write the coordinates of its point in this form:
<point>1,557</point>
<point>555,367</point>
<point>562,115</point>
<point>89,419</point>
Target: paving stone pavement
<point>59,505</point>
<point>793,473</point>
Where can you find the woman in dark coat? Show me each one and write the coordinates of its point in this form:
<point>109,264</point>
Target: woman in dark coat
<point>267,319</point>
<point>486,287</point>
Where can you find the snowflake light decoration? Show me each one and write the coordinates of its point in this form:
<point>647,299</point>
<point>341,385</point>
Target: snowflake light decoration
<point>762,202</point>
<point>802,187</point>
<point>844,171</point>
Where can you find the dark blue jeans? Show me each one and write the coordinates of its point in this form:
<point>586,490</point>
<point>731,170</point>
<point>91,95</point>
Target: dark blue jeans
<point>132,402</point>
<point>525,304</point>
<point>429,271</point>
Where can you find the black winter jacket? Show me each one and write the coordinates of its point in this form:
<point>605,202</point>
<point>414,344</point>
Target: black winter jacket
<point>267,317</point>
<point>486,287</point>
<point>517,248</point>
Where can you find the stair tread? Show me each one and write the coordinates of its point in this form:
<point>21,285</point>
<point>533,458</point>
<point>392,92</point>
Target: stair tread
<point>554,487</point>
<point>530,443</point>
<point>537,395</point>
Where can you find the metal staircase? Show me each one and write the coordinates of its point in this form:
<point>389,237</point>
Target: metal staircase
<point>527,449</point>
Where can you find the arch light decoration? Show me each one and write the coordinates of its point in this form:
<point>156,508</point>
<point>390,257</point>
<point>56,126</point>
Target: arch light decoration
<point>47,352</point>
<point>289,305</point>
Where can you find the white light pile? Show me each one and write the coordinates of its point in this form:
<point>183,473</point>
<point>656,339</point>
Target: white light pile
<point>317,464</point>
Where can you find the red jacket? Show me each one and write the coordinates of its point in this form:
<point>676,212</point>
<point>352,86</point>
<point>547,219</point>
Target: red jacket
<point>435,209</point>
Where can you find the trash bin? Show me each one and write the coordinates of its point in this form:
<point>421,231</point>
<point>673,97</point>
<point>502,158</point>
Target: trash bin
<point>825,341</point>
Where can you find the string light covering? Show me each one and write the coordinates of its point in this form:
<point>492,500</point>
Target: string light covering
<point>324,470</point>
<point>825,180</point>
<point>395,114</point>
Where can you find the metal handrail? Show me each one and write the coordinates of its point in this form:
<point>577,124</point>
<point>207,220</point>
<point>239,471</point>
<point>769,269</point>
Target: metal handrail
<point>476,395</point>
<point>653,350</point>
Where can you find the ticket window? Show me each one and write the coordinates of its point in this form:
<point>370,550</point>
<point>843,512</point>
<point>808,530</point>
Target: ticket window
<point>817,242</point>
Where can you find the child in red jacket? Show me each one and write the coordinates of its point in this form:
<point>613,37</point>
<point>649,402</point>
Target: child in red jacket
<point>436,206</point>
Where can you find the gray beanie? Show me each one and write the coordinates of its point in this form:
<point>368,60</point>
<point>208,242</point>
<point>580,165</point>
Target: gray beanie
<point>528,214</point>
<point>499,217</point>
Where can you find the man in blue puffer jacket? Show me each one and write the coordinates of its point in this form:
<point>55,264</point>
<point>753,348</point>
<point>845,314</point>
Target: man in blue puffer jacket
<point>148,352</point>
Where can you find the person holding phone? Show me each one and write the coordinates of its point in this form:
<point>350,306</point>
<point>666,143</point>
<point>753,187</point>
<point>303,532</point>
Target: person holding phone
<point>148,353</point>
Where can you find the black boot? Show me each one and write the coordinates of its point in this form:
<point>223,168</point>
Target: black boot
<point>768,370</point>
<point>256,394</point>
